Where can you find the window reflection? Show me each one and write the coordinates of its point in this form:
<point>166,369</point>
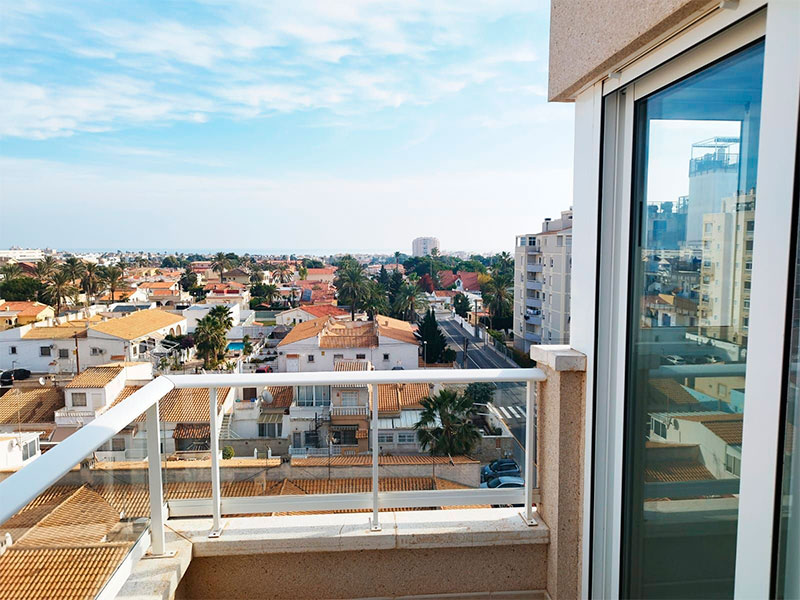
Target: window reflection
<point>694,198</point>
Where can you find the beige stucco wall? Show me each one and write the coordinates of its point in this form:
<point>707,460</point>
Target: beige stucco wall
<point>368,574</point>
<point>588,38</point>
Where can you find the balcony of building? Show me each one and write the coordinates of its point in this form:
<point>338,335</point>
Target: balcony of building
<point>227,528</point>
<point>534,267</point>
<point>532,284</point>
<point>533,302</point>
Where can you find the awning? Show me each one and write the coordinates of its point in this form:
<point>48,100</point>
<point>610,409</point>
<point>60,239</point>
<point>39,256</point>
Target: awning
<point>270,418</point>
<point>62,433</point>
<point>191,431</point>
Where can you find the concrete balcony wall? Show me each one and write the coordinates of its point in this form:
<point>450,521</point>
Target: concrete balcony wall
<point>533,302</point>
<point>533,285</point>
<point>534,268</point>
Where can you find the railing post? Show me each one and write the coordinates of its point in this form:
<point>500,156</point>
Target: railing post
<point>374,523</point>
<point>527,514</point>
<point>157,516</point>
<point>216,529</point>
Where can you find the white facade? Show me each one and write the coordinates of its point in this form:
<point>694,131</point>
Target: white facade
<point>423,246</point>
<point>18,449</point>
<point>307,356</point>
<point>197,311</point>
<point>542,284</point>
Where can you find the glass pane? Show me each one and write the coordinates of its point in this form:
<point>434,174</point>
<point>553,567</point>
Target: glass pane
<point>696,148</point>
<point>788,563</point>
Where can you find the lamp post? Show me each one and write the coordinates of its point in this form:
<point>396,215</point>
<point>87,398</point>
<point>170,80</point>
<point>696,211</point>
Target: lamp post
<point>425,352</point>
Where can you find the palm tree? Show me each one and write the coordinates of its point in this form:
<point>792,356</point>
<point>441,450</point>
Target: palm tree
<point>503,264</point>
<point>45,268</point>
<point>499,294</point>
<point>111,277</point>
<point>247,346</point>
<point>281,272</point>
<point>374,302</point>
<point>271,293</point>
<point>90,280</point>
<point>396,260</point>
<point>222,315</point>
<point>351,283</point>
<point>302,272</point>
<point>209,337</point>
<point>409,299</point>
<point>74,267</point>
<point>445,427</point>
<point>220,264</point>
<point>11,271</point>
<point>59,288</point>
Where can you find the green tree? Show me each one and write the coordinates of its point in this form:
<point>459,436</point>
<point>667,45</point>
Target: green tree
<point>270,293</point>
<point>312,263</point>
<point>228,453</point>
<point>461,305</point>
<point>74,267</point>
<point>90,282</point>
<point>282,272</point>
<point>21,289</point>
<point>170,262</point>
<point>445,426</point>
<point>374,301</point>
<point>220,264</point>
<point>498,296</point>
<point>45,268</point>
<point>59,288</point>
<point>111,278</point>
<point>11,271</point>
<point>302,272</point>
<point>433,341</point>
<point>188,279</point>
<point>409,299</point>
<point>210,335</point>
<point>480,393</point>
<point>503,264</point>
<point>247,346</point>
<point>351,283</point>
<point>383,278</point>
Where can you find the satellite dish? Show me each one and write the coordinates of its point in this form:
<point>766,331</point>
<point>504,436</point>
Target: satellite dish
<point>266,397</point>
<point>42,381</point>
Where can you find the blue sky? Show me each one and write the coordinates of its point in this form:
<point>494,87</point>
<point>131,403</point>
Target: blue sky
<point>308,126</point>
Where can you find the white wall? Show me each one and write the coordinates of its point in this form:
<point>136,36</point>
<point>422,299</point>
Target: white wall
<point>400,354</point>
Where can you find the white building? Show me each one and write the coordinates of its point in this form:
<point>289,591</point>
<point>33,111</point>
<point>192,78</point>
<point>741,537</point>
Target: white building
<point>195,312</point>
<point>423,246</point>
<point>542,272</point>
<point>18,449</point>
<point>317,345</point>
<point>309,312</point>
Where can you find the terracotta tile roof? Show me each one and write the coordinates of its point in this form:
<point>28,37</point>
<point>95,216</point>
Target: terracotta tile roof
<point>397,330</point>
<point>727,427</point>
<point>678,302</point>
<point>355,461</point>
<point>303,331</point>
<point>321,270</point>
<point>187,405</point>
<point>445,293</point>
<point>65,573</point>
<point>119,294</point>
<point>222,287</point>
<point>679,470</point>
<point>351,334</point>
<point>469,280</point>
<point>157,285</point>
<point>137,324</point>
<point>55,333</point>
<point>31,405</point>
<point>672,391</point>
<point>351,365</point>
<point>191,431</point>
<point>324,310</point>
<point>394,397</point>
<point>95,377</point>
<point>24,309</point>
<point>282,396</point>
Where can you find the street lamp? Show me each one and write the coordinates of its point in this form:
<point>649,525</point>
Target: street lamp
<point>425,351</point>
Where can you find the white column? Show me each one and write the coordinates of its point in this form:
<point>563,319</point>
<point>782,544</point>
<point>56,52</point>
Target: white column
<point>527,515</point>
<point>213,435</point>
<point>375,523</point>
<point>157,516</point>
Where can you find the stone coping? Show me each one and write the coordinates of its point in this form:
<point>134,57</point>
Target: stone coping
<point>559,357</point>
<point>350,531</point>
<point>158,578</point>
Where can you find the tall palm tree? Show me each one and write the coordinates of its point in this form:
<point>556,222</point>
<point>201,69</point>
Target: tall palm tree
<point>396,260</point>
<point>11,271</point>
<point>59,288</point>
<point>74,267</point>
<point>209,337</point>
<point>499,295</point>
<point>281,272</point>
<point>90,280</point>
<point>222,315</point>
<point>45,268</point>
<point>409,299</point>
<point>504,264</point>
<point>351,283</point>
<point>445,427</point>
<point>271,293</point>
<point>302,272</point>
<point>220,264</point>
<point>374,301</point>
<point>112,279</point>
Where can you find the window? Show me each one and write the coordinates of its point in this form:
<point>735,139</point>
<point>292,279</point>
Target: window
<point>345,436</point>
<point>385,438</point>
<point>722,390</point>
<point>78,398</point>
<point>709,119</point>
<point>361,356</point>
<point>385,356</point>
<point>310,358</point>
<point>313,395</point>
<point>270,430</point>
<point>44,351</point>
<point>12,349</point>
<point>349,398</point>
<point>97,351</point>
<point>338,357</point>
<point>249,393</point>
<point>733,464</point>
<point>406,438</point>
<point>63,353</point>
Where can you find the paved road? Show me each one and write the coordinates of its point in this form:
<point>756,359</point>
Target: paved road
<point>509,398</point>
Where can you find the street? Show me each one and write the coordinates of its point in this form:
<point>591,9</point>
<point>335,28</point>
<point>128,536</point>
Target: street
<point>509,398</point>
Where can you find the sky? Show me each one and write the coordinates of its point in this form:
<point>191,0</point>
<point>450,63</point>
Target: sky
<point>278,127</point>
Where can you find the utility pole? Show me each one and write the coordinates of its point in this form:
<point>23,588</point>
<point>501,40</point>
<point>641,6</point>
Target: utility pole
<point>464,358</point>
<point>77,356</point>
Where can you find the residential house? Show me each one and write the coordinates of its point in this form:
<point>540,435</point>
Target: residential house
<point>31,409</point>
<point>165,293</point>
<point>13,313</point>
<point>399,410</point>
<point>309,312</point>
<point>324,274</point>
<point>237,275</point>
<point>129,338</point>
<point>463,281</point>
<point>226,293</point>
<point>262,413</point>
<point>196,312</point>
<point>18,449</point>
<point>126,294</point>
<point>317,345</point>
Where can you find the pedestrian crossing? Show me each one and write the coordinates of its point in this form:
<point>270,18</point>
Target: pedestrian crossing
<point>506,413</point>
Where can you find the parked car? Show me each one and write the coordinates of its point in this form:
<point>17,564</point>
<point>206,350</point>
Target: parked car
<point>504,482</point>
<point>264,370</point>
<point>501,466</point>
<point>673,359</point>
<point>14,375</point>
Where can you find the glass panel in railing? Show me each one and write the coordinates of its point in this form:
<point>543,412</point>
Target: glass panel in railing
<point>76,533</point>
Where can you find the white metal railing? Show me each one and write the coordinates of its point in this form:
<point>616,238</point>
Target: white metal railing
<point>27,483</point>
<point>349,411</point>
<point>302,452</point>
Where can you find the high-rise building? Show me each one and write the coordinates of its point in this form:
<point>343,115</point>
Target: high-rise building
<point>423,246</point>
<point>542,266</point>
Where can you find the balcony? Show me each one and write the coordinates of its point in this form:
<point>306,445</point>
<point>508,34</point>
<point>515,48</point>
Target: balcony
<point>533,302</point>
<point>534,268</point>
<point>533,285</point>
<point>366,535</point>
<point>349,411</point>
<point>533,337</point>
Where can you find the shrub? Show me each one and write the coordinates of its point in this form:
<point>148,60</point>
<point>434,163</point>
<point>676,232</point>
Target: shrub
<point>227,452</point>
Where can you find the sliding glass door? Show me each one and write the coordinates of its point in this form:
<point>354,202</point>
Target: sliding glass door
<point>695,158</point>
